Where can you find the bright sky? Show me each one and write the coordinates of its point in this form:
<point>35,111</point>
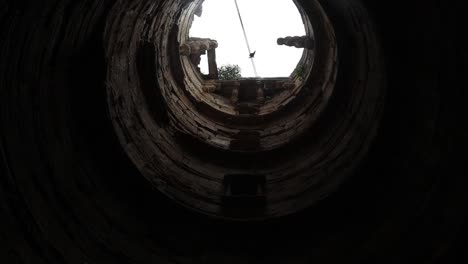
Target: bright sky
<point>264,22</point>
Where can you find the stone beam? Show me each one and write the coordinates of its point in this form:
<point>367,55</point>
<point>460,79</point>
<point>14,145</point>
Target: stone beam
<point>196,46</point>
<point>305,42</point>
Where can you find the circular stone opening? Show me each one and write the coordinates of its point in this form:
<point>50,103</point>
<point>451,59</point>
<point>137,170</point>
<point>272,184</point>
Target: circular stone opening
<point>223,88</point>
<point>208,150</point>
<point>245,27</point>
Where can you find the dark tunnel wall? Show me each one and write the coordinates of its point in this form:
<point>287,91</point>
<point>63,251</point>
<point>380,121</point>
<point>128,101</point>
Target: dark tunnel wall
<point>70,194</point>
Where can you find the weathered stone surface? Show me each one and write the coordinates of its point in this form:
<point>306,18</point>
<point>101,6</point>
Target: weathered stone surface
<point>195,46</point>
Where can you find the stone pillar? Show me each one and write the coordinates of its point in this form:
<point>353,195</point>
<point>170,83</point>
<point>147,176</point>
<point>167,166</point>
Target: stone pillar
<point>298,42</point>
<point>212,65</point>
<point>196,58</point>
<point>195,47</point>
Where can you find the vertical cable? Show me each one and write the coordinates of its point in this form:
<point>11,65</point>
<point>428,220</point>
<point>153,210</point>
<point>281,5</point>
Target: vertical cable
<point>246,39</point>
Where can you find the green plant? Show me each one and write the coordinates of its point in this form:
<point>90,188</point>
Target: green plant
<point>229,72</point>
<point>300,71</point>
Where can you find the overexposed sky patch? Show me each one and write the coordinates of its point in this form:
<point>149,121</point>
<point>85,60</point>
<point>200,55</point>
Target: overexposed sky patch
<point>264,21</point>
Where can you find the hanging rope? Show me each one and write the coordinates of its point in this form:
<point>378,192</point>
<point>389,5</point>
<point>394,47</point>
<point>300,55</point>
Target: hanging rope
<point>246,39</point>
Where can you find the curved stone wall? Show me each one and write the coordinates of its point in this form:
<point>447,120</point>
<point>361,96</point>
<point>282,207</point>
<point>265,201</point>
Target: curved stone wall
<point>379,177</point>
<point>350,97</point>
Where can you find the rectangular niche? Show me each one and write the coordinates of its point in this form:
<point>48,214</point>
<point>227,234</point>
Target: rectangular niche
<point>244,192</point>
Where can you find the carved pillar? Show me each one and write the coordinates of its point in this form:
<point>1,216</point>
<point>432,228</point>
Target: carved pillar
<point>212,65</point>
<point>298,42</point>
<point>196,58</point>
<point>195,47</point>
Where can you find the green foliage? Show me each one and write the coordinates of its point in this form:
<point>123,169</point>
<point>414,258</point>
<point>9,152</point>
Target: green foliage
<point>300,71</point>
<point>229,72</point>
